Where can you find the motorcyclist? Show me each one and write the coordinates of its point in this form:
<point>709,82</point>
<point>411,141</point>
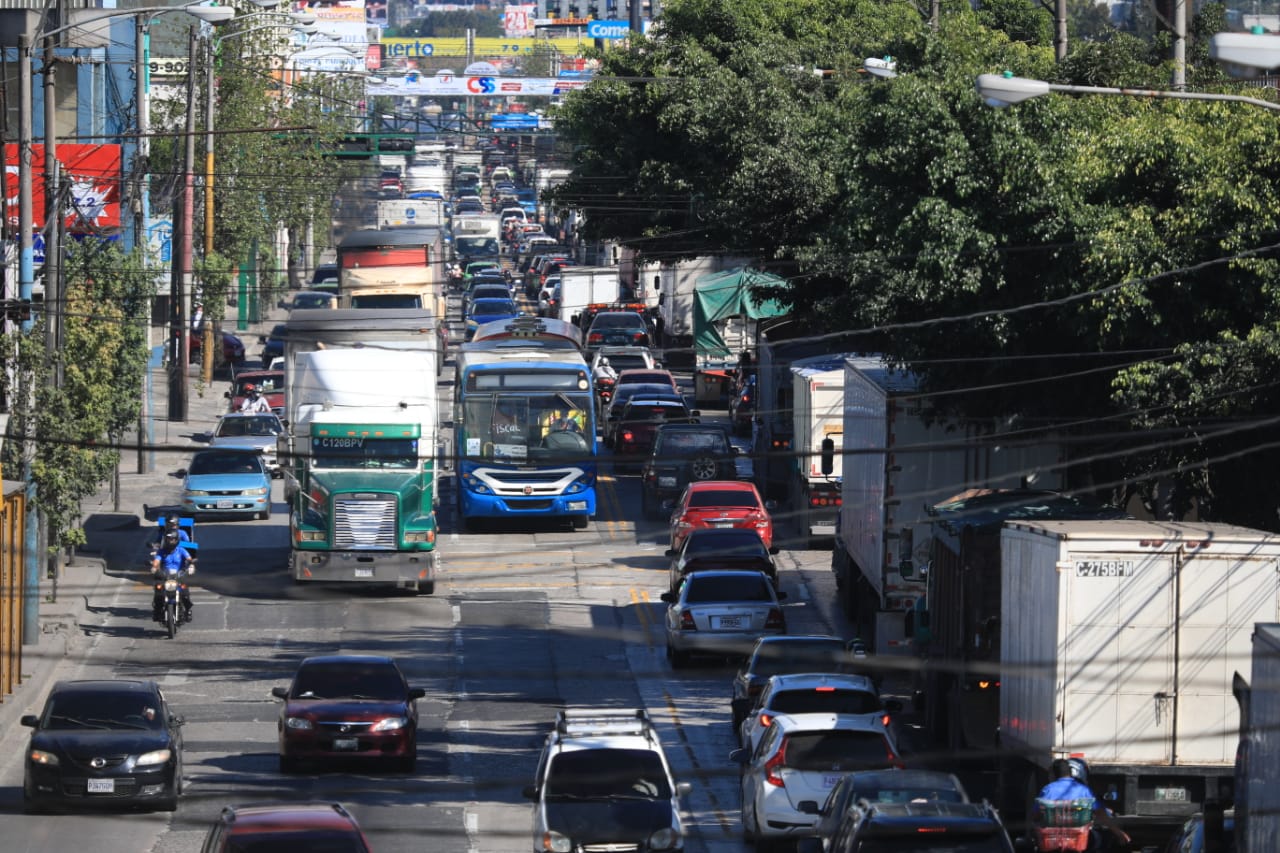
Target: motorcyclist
<point>171,558</point>
<point>604,370</point>
<point>1071,782</point>
<point>170,526</point>
<point>254,403</point>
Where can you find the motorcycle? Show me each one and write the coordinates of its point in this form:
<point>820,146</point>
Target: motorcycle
<point>171,585</point>
<point>604,391</point>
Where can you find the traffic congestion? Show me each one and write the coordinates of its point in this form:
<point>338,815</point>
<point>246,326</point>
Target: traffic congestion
<point>475,560</point>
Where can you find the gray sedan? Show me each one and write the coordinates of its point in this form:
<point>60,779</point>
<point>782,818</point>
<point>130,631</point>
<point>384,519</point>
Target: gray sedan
<point>721,613</point>
<point>256,431</point>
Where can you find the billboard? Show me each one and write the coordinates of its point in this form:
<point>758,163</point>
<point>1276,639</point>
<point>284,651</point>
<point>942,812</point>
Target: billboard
<point>517,21</point>
<point>414,48</point>
<point>452,85</point>
<point>95,176</point>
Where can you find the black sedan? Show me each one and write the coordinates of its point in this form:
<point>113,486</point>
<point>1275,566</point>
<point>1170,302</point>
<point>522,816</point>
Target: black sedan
<point>721,548</point>
<point>103,743</point>
<point>779,656</point>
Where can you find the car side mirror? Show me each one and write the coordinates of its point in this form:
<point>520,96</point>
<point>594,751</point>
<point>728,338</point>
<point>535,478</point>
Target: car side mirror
<point>670,552</point>
<point>282,304</point>
<point>31,721</point>
<point>417,693</point>
<point>262,339</point>
<point>683,788</point>
<point>807,807</point>
<point>774,549</point>
<point>737,451</point>
<point>529,792</point>
<point>177,720</point>
<point>695,413</point>
<point>180,473</point>
<point>782,596</point>
<point>1023,844</point>
<point>740,756</point>
<point>770,505</point>
<point>226,395</point>
<point>668,598</point>
<point>280,692</point>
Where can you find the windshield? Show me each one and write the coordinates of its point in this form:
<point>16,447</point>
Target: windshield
<point>828,701</point>
<point>351,452</point>
<point>617,321</point>
<point>102,710</point>
<point>837,749</point>
<point>594,774</point>
<point>312,840</point>
<point>688,443</point>
<point>254,425</point>
<point>799,656</point>
<point>313,300</point>
<point>224,463</point>
<point>528,427</point>
<point>348,681</point>
<point>705,589</point>
<point>476,245</point>
<point>722,497</point>
<point>264,384</point>
<point>387,300</point>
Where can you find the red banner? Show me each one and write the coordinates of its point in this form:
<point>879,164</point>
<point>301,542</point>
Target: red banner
<point>91,181</point>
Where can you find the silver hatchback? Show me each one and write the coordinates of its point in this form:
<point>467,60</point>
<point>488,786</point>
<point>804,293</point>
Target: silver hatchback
<point>721,613</point>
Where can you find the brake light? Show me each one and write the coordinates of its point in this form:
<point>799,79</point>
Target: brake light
<point>781,443</point>
<point>775,620</point>
<point>595,336</point>
<point>640,336</point>
<point>628,436</point>
<point>766,720</point>
<point>884,721</point>
<point>746,398</point>
<point>826,689</point>
<point>686,622</point>
<point>779,759</point>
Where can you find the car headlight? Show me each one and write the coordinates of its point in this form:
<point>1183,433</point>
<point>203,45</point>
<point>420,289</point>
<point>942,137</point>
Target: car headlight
<point>664,839</point>
<point>261,490</point>
<point>48,759</point>
<point>554,842</point>
<point>156,756</point>
<point>391,724</point>
<point>299,723</point>
<point>197,493</point>
<point>420,536</point>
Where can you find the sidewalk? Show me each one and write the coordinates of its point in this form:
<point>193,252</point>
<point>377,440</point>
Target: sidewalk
<point>116,549</point>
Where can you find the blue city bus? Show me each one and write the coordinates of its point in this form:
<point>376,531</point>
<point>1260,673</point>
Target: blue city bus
<point>524,426</point>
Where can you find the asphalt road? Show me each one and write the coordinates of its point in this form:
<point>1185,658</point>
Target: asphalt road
<point>523,622</point>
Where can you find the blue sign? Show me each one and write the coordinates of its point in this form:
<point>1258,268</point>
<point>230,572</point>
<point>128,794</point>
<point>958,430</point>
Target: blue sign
<point>37,248</point>
<point>513,121</point>
<point>608,29</point>
<point>160,239</point>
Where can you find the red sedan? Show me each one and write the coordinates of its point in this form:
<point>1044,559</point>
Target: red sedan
<point>721,503</point>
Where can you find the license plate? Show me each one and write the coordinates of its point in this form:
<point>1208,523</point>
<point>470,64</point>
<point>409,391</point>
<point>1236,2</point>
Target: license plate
<point>364,573</point>
<point>345,743</point>
<point>667,482</point>
<point>830,781</point>
<point>722,524</point>
<point>226,504</point>
<point>1171,795</point>
<point>101,786</point>
<point>729,622</point>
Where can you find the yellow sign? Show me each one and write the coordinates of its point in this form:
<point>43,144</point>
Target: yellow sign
<point>417,48</point>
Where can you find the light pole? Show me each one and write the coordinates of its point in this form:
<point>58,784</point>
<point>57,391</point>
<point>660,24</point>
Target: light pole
<point>1004,90</point>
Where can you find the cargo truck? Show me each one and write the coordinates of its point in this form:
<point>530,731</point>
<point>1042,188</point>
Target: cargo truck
<point>584,286</point>
<point>1257,802</point>
<point>411,213</point>
<point>675,285</point>
<point>818,415</point>
<point>898,462</point>
<point>476,237</point>
<point>359,455</point>
<point>1118,640</point>
<point>727,307</point>
<point>958,688</point>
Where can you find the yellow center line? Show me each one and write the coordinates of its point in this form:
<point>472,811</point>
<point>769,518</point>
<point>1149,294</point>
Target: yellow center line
<point>640,599</point>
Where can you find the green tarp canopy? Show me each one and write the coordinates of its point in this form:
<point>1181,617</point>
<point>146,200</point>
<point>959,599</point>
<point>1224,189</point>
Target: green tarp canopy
<point>721,295</point>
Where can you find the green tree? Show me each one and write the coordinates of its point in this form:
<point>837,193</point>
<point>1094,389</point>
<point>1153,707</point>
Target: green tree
<point>1021,20</point>
<point>454,24</point>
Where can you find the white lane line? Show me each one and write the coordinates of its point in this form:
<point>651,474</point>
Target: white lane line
<point>471,821</point>
<point>457,618</point>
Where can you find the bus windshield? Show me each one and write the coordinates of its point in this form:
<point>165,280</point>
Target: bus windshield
<point>524,428</point>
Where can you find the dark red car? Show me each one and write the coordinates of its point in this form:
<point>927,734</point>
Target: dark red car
<point>270,384</point>
<point>348,707</point>
<point>720,504</point>
<point>285,826</point>
<point>639,422</point>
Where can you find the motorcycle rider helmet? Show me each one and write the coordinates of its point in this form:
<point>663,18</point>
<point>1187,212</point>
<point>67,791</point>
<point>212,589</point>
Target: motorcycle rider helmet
<point>1079,770</point>
<point>604,361</point>
<point>171,537</point>
<point>251,389</point>
<point>171,525</point>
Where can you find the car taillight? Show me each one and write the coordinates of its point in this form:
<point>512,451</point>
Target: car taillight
<point>640,336</point>
<point>824,689</point>
<point>766,720</point>
<point>595,337</point>
<point>775,620</point>
<point>781,444</point>
<point>686,622</point>
<point>746,398</point>
<point>771,766</point>
<point>628,436</point>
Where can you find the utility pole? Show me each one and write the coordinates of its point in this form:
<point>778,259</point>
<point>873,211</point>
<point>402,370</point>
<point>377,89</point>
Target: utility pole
<point>206,328</point>
<point>26,284</point>
<point>142,151</point>
<point>54,298</point>
<point>1060,30</point>
<point>179,284</point>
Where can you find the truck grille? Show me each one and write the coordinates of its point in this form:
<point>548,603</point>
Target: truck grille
<point>364,524</point>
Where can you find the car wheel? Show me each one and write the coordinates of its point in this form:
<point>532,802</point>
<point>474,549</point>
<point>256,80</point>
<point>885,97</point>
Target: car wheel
<point>703,468</point>
<point>265,515</point>
<point>427,588</point>
<point>580,522</point>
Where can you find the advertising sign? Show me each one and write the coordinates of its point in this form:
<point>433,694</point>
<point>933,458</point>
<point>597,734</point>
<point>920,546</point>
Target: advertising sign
<point>412,48</point>
<point>94,175</point>
<point>517,21</point>
<point>334,10</point>
<point>475,87</point>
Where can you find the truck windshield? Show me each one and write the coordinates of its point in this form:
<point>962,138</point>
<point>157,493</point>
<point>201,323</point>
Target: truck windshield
<point>521,428</point>
<point>475,245</point>
<point>352,452</point>
<point>387,300</point>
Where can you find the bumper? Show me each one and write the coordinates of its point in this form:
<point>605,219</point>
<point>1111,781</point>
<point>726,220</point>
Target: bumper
<point>404,569</point>
<point>778,819</point>
<point>310,746</point>
<point>48,786</point>
<point>503,506</point>
<point>237,505</point>
<point>717,642</point>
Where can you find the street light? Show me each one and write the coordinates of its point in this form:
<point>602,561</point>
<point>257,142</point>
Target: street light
<point>1004,90</point>
<point>885,67</point>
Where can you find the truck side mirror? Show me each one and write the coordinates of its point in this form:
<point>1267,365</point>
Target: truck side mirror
<point>906,544</point>
<point>828,456</point>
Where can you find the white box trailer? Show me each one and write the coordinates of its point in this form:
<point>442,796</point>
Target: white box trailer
<point>1258,762</point>
<point>899,462</point>
<point>1118,642</point>
<point>817,408</point>
<point>410,213</point>
<point>583,286</point>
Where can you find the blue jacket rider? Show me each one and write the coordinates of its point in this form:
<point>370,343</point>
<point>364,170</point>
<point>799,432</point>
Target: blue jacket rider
<point>1071,783</point>
<point>171,557</point>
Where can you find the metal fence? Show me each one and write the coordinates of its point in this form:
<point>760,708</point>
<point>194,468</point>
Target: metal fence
<point>13,516</point>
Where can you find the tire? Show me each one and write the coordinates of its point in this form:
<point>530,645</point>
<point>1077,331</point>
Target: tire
<point>171,619</point>
<point>427,588</point>
<point>580,522</point>
<point>704,468</point>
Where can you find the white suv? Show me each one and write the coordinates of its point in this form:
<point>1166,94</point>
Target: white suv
<point>603,783</point>
<point>797,763</point>
<point>809,693</point>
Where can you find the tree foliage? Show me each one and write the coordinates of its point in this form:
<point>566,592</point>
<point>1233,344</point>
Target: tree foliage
<point>1092,266</point>
<point>454,24</point>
